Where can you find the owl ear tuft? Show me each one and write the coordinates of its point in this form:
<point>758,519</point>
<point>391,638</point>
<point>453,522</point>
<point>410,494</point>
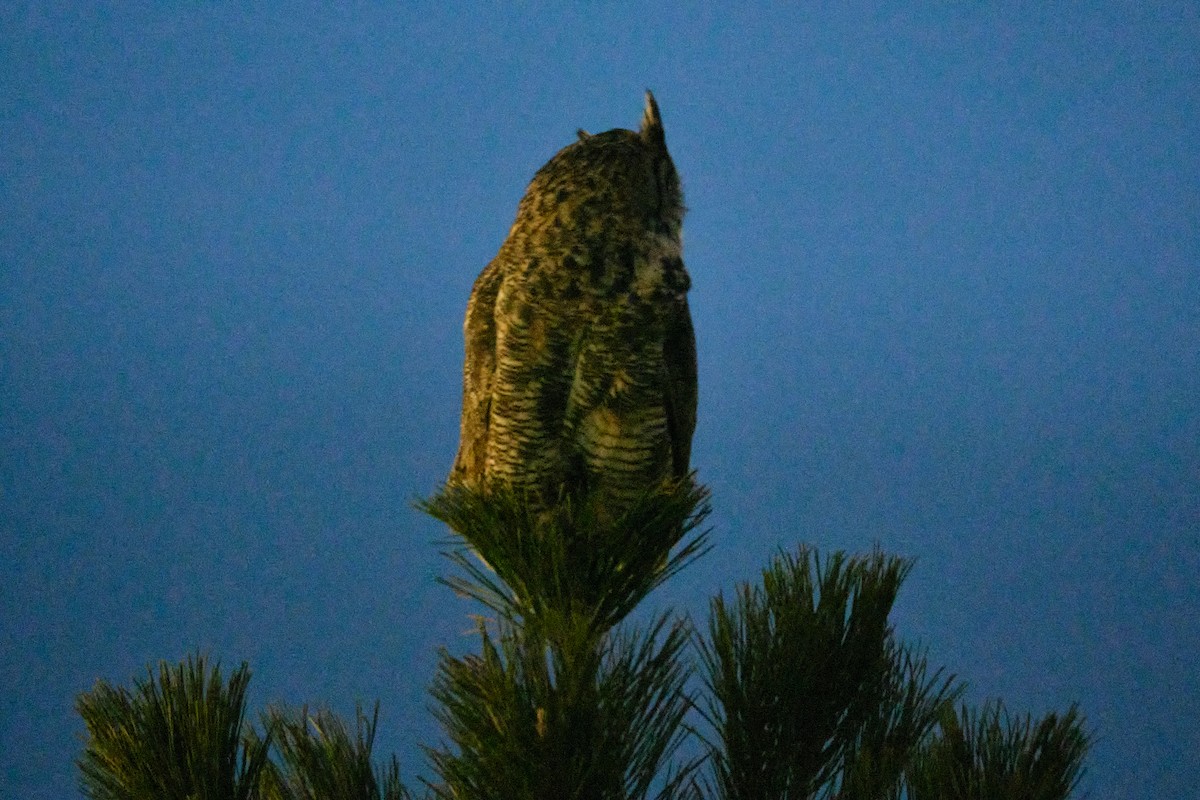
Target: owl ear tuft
<point>652,127</point>
<point>582,134</point>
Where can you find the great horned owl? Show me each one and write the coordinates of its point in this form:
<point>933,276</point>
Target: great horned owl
<point>580,368</point>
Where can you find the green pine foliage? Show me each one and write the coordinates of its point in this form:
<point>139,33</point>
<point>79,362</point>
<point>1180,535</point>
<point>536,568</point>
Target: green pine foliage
<point>990,755</point>
<point>807,690</point>
<point>571,561</point>
<point>177,736</point>
<point>798,687</point>
<point>535,717</point>
<point>563,702</point>
<point>909,700</point>
<point>183,734</point>
<point>320,758</point>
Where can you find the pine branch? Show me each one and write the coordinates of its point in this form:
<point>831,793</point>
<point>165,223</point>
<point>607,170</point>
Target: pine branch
<point>909,703</point>
<point>569,562</point>
<point>177,736</point>
<point>980,755</point>
<point>564,717</point>
<point>795,670</point>
<point>321,758</point>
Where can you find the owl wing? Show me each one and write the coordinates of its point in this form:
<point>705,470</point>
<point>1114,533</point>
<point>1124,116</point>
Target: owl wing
<point>479,370</point>
<point>679,353</point>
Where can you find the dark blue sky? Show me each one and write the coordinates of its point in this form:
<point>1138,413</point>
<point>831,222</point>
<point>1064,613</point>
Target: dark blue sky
<point>946,287</point>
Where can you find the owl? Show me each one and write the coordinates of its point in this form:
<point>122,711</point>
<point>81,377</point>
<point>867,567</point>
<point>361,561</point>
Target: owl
<point>580,373</point>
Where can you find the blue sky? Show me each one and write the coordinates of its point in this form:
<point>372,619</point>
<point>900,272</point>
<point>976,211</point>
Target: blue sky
<point>946,288</point>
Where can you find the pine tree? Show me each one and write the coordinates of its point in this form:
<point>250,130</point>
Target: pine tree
<point>564,701</point>
<point>797,687</point>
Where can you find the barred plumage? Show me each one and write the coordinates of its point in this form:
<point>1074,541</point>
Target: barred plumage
<point>580,367</point>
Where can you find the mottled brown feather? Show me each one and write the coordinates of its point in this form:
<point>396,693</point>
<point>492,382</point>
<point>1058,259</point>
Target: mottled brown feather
<point>580,369</point>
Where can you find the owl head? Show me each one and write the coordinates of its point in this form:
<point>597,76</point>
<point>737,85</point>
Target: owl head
<point>619,176</point>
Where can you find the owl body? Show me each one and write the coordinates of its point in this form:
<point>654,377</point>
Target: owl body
<point>580,371</point>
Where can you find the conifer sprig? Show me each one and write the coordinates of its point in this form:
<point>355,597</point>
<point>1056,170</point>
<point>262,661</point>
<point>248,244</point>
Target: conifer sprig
<point>321,758</point>
<point>572,717</point>
<point>177,736</point>
<point>796,669</point>
<point>539,566</point>
<point>988,753</point>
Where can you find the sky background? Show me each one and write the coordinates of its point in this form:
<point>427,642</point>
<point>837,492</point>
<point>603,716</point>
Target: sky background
<point>946,289</point>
